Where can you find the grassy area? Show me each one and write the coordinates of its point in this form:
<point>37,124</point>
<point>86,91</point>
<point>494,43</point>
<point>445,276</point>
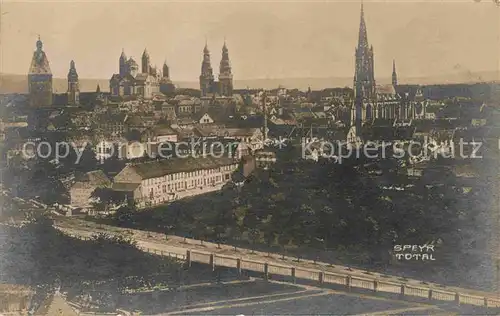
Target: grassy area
<point>38,255</point>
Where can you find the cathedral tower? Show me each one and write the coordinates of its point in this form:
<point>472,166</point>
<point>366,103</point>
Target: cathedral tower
<point>364,76</point>
<point>166,85</point>
<point>225,75</point>
<point>394,75</point>
<point>145,62</point>
<point>166,72</point>
<point>73,87</point>
<point>40,78</point>
<point>206,76</point>
<point>123,64</point>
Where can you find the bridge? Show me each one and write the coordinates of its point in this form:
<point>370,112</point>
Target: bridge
<point>285,268</point>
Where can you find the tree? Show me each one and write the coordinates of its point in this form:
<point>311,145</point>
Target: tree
<point>88,161</point>
<point>223,221</point>
<point>125,215</point>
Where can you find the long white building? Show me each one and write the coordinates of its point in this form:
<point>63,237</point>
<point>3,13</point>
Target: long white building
<point>159,182</point>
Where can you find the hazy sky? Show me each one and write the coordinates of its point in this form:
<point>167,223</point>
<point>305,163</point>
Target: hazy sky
<point>265,39</point>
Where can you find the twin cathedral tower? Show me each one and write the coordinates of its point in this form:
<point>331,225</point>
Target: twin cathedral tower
<point>146,80</point>
<point>210,87</point>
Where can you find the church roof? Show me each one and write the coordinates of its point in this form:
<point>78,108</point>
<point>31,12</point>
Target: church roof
<point>141,77</point>
<point>385,89</point>
<point>96,177</point>
<point>127,77</point>
<point>155,169</point>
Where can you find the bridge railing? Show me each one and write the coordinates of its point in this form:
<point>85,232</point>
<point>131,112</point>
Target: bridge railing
<point>370,283</point>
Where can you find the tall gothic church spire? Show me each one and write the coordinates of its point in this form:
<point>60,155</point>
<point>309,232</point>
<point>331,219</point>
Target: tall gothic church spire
<point>363,35</point>
<point>364,76</point>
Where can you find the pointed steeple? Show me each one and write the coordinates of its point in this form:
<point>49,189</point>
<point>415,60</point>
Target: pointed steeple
<point>206,76</point>
<point>73,86</point>
<point>123,68</point>
<point>364,76</point>
<point>206,66</point>
<point>225,74</point>
<point>98,89</point>
<point>363,36</point>
<point>146,64</point>
<point>225,66</point>
<point>394,74</point>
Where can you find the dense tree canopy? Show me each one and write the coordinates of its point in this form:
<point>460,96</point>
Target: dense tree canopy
<point>324,205</point>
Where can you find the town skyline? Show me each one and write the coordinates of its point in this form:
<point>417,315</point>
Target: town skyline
<point>452,47</point>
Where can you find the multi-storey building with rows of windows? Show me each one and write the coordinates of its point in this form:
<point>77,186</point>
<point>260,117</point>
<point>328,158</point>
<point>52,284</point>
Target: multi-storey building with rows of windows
<point>158,182</point>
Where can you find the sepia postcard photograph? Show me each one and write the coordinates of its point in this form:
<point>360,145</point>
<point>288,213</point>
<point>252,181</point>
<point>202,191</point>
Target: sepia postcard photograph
<point>249,157</point>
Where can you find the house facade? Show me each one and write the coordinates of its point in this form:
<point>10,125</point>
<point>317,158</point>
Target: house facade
<point>82,189</point>
<point>158,182</point>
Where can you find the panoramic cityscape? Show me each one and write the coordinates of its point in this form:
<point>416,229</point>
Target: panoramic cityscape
<point>147,193</point>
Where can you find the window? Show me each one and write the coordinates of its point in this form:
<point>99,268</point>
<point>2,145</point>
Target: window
<point>164,189</point>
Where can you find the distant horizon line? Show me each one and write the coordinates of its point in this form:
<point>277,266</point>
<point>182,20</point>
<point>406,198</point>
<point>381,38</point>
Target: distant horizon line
<point>388,78</point>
